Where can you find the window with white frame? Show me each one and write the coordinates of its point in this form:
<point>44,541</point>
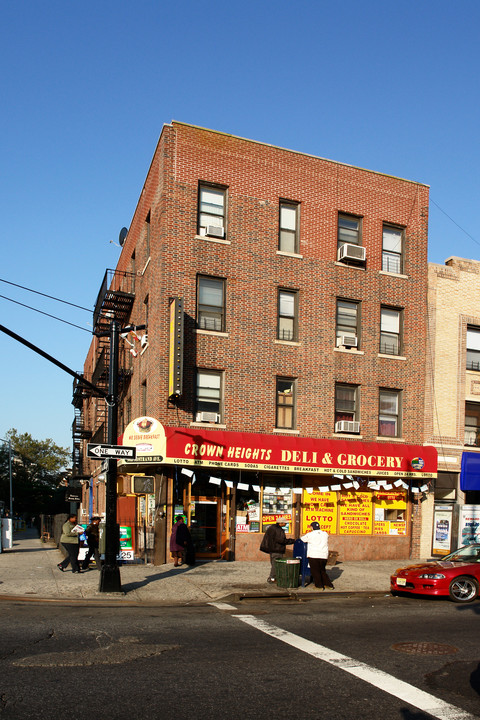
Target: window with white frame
<point>349,230</point>
<point>473,348</point>
<point>285,403</point>
<point>208,396</point>
<point>287,315</point>
<point>288,235</point>
<point>392,249</point>
<point>347,321</point>
<point>389,413</point>
<point>210,303</point>
<point>390,331</point>
<point>211,216</point>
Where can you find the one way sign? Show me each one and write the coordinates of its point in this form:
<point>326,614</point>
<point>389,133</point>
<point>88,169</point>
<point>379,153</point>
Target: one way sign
<point>112,451</point>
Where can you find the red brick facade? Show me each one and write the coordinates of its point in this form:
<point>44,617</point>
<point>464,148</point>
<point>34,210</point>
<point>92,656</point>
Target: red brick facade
<point>256,178</point>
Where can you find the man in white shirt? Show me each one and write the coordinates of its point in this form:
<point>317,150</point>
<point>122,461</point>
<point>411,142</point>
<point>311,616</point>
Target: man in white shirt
<point>317,554</point>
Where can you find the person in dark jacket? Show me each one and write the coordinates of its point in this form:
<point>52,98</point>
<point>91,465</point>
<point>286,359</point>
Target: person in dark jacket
<point>93,540</point>
<point>181,543</point>
<point>274,543</point>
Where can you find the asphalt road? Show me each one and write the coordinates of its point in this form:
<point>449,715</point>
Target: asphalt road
<point>329,658</point>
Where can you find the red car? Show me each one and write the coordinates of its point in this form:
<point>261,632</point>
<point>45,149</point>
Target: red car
<point>456,575</point>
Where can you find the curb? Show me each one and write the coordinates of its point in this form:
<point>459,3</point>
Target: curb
<point>113,600</point>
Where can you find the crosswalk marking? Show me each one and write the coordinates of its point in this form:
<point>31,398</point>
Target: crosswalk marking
<point>379,679</point>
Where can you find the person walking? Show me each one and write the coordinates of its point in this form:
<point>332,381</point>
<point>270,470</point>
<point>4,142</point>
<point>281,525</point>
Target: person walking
<point>274,544</point>
<point>93,540</point>
<point>181,544</point>
<point>71,543</point>
<point>177,548</point>
<point>317,554</point>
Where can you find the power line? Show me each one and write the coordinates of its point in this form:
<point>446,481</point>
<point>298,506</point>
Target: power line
<point>454,222</point>
<point>47,314</point>
<point>50,297</point>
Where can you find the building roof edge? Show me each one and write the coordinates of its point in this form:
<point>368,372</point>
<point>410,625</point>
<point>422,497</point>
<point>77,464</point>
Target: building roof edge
<point>298,152</point>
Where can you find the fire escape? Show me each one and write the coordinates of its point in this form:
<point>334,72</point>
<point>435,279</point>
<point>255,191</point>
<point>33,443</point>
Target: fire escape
<point>114,302</point>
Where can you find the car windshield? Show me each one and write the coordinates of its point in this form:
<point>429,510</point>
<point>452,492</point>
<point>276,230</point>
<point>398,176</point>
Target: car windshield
<point>469,553</point>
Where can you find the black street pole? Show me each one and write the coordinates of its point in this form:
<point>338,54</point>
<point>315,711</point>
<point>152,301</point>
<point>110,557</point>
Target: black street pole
<point>110,572</point>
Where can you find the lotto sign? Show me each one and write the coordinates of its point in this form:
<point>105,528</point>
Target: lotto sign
<point>320,507</point>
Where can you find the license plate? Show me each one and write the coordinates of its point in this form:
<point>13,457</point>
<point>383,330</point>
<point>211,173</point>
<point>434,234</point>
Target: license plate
<point>401,581</point>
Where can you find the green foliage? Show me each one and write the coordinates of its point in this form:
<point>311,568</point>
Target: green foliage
<point>38,468</point>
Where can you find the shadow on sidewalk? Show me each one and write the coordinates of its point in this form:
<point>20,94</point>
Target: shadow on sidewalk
<point>15,549</point>
<point>128,587</point>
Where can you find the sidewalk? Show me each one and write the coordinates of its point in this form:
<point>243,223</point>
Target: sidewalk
<point>29,571</point>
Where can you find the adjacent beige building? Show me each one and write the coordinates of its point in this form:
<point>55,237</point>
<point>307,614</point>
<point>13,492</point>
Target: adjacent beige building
<point>452,412</point>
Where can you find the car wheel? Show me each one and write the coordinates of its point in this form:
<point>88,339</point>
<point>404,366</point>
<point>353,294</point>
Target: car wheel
<point>463,589</point>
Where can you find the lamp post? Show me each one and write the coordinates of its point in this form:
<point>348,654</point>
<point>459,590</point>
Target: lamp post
<point>9,442</point>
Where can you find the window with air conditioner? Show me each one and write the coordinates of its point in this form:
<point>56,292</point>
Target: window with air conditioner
<point>211,211</point>
<point>389,413</point>
<point>285,403</point>
<point>210,303</point>
<point>287,320</point>
<point>473,348</point>
<point>209,400</point>
<point>392,249</point>
<point>391,320</point>
<point>347,323</point>
<point>288,230</point>
<point>346,408</point>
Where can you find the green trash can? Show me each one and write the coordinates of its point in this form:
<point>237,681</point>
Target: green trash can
<point>287,572</point>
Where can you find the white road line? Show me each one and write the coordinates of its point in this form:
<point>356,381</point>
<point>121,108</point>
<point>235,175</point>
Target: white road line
<point>379,679</point>
<point>222,606</point>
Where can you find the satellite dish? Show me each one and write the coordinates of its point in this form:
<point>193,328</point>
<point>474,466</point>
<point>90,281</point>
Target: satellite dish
<point>122,236</point>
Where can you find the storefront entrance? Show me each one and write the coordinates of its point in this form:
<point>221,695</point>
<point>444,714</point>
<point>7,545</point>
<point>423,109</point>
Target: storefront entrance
<point>205,520</point>
<point>208,505</point>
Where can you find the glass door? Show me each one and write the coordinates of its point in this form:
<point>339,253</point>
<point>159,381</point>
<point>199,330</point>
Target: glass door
<point>205,525</point>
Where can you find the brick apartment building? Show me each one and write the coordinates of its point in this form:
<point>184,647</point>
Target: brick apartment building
<point>282,371</point>
<point>453,401</point>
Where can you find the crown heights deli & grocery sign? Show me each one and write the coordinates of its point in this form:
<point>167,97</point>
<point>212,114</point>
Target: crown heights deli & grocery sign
<point>251,451</point>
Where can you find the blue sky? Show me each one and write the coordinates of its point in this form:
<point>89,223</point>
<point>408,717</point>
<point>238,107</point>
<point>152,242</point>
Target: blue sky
<point>86,88</point>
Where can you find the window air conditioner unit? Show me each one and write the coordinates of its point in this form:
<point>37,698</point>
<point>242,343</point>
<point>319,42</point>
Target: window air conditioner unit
<point>215,231</point>
<point>209,417</point>
<point>351,252</point>
<point>347,426</point>
<point>347,341</point>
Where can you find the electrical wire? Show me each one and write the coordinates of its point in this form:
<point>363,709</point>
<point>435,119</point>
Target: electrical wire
<point>50,297</point>
<point>44,313</point>
<point>454,222</point>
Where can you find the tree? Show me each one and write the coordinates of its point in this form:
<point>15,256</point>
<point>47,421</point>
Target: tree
<point>38,468</point>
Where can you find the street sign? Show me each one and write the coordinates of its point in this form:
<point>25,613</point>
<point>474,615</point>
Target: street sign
<point>111,451</point>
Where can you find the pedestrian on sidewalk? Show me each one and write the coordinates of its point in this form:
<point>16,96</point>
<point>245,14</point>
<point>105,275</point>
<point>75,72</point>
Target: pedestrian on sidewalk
<point>274,543</point>
<point>93,540</point>
<point>177,549</point>
<point>317,554</point>
<point>181,544</point>
<point>71,543</point>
